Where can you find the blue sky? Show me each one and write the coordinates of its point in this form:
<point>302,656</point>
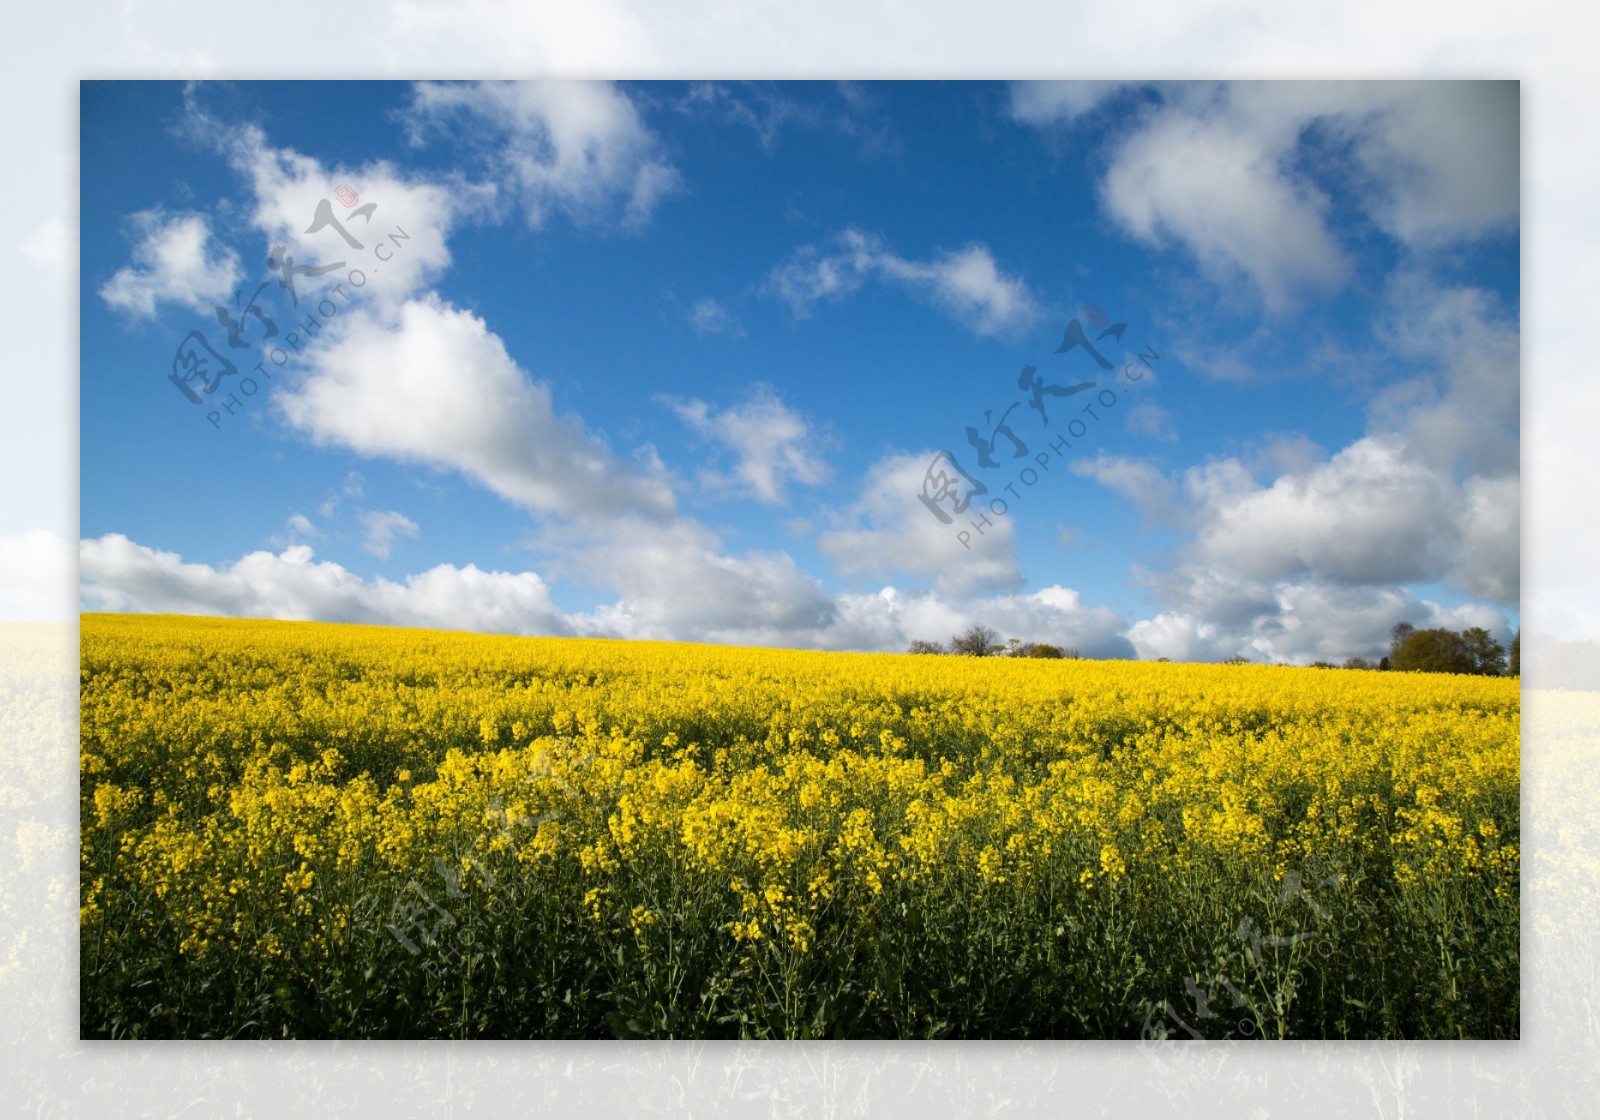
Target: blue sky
<point>671,360</point>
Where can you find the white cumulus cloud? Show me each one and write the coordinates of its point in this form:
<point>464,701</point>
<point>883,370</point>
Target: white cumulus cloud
<point>773,445</point>
<point>434,385</point>
<point>888,531</point>
<point>1219,170</point>
<point>120,575</point>
<point>381,528</point>
<point>578,148</point>
<point>176,261</point>
<point>966,284</point>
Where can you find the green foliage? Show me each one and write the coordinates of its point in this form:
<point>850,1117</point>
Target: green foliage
<point>1488,655</point>
<point>1432,651</point>
<point>1015,648</point>
<point>1437,650</point>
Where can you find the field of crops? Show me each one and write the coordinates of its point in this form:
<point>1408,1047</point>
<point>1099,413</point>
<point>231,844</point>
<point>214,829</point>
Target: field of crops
<point>307,830</point>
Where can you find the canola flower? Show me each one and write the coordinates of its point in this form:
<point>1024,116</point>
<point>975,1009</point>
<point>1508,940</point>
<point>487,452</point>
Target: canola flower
<point>319,830</point>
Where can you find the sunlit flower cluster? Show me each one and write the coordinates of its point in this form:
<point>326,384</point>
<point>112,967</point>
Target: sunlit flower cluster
<point>271,793</point>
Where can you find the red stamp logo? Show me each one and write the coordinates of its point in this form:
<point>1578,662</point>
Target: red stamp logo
<point>1096,315</point>
<point>345,195</point>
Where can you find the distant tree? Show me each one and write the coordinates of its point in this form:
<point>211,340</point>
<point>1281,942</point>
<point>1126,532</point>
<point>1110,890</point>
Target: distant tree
<point>1322,665</point>
<point>1433,651</point>
<point>1168,659</point>
<point>1015,648</point>
<point>1384,663</point>
<point>1488,655</point>
<point>1358,663</point>
<point>1516,654</point>
<point>1237,659</point>
<point>976,640</point>
<point>1398,636</point>
<point>1044,649</point>
<point>921,646</point>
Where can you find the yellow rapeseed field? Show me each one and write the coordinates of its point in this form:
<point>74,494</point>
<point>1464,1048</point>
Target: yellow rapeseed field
<point>341,831</point>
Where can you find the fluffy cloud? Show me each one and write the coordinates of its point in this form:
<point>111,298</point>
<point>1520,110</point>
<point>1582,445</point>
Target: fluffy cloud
<point>395,229</point>
<point>1298,555</point>
<point>396,371</point>
<point>1047,103</point>
<point>577,148</point>
<point>1222,191</point>
<point>1217,169</point>
<point>175,260</point>
<point>1181,637</point>
<point>1430,495</point>
<point>297,529</point>
<point>1294,622</point>
<point>401,247</point>
<point>120,575</point>
<point>679,584</point>
<point>1442,159</point>
<point>891,620</point>
<point>887,531</point>
<point>966,283</point>
<point>1373,516</point>
<point>1462,411</point>
<point>1138,481</point>
<point>1290,555</point>
<point>1369,516</point>
<point>1428,161</point>
<point>773,445</point>
<point>434,385</point>
<point>674,582</point>
<point>381,528</point>
<point>1313,565</point>
<point>1489,564</point>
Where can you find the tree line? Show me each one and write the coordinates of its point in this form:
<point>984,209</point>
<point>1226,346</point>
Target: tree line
<point>978,640</point>
<point>1434,650</point>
